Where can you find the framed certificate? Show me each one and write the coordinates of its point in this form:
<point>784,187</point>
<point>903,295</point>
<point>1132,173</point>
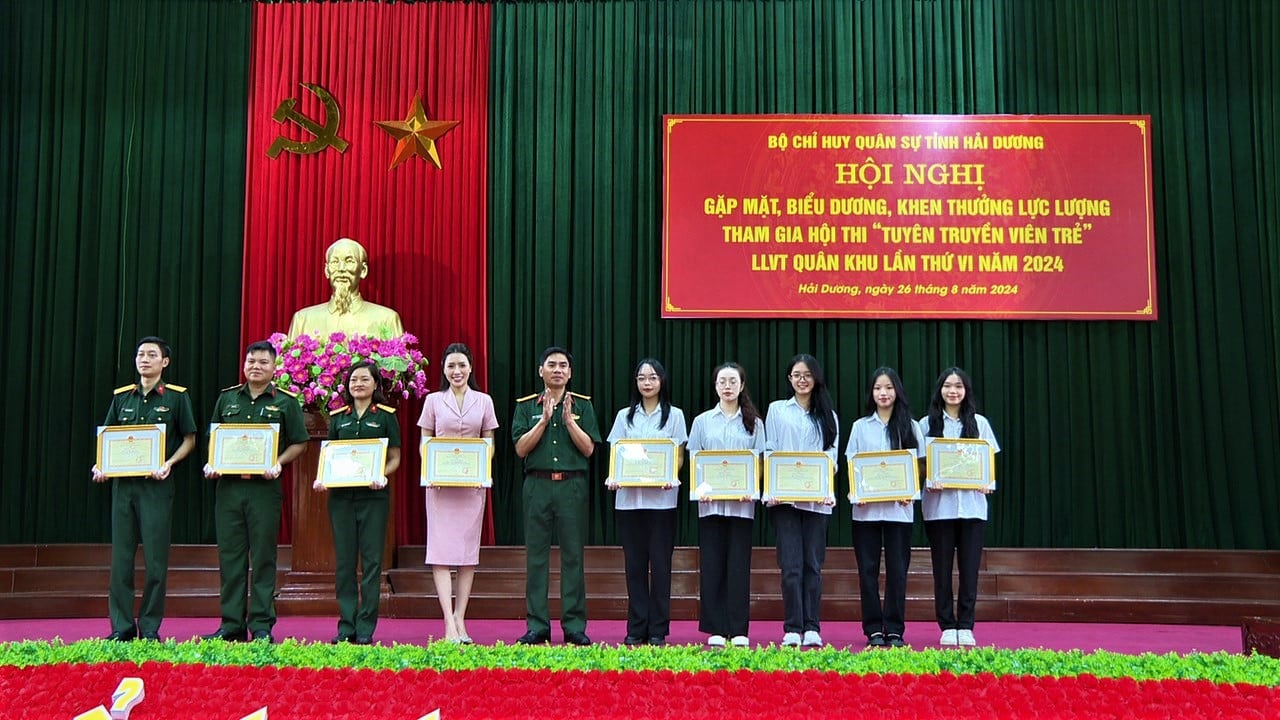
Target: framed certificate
<point>456,462</point>
<point>725,475</point>
<point>644,463</point>
<point>248,449</point>
<point>884,477</point>
<point>352,463</point>
<point>966,464</point>
<point>797,476</point>
<point>125,450</point>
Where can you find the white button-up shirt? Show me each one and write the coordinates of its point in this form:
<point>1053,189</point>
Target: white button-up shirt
<point>788,427</point>
<point>869,434</point>
<point>644,426</point>
<point>955,503</point>
<point>713,430</point>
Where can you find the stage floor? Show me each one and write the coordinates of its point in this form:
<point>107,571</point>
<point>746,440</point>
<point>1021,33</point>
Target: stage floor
<point>1121,638</point>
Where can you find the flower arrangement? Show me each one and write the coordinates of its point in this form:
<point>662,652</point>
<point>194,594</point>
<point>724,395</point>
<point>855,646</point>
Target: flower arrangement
<point>293,680</point>
<point>312,368</point>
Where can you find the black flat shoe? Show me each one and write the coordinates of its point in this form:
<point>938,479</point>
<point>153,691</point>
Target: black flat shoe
<point>225,636</point>
<point>122,635</point>
<point>153,635</point>
<point>259,635</point>
<point>363,640</point>
<point>657,639</point>
<point>534,638</point>
<point>876,640</point>
<point>897,641</point>
<point>577,638</point>
<point>339,639</point>
<point>633,640</point>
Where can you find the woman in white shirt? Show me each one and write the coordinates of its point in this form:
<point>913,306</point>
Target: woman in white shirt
<point>647,516</point>
<point>887,426</point>
<point>724,526</point>
<point>805,422</point>
<point>954,519</point>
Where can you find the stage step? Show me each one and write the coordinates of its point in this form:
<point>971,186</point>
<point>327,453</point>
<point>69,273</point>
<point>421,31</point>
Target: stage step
<point>1040,585</point>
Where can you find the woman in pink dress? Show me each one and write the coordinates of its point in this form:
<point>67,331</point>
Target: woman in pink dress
<point>454,514</point>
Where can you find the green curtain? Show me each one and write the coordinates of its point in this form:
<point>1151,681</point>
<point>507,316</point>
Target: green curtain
<point>122,145</point>
<point>1114,434</point>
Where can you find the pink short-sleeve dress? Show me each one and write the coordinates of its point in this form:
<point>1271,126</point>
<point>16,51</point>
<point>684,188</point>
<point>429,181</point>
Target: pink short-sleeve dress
<point>454,515</point>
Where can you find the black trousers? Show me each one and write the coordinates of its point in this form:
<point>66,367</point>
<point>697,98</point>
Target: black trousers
<point>895,539</point>
<point>724,545</point>
<point>648,539</point>
<point>949,539</point>
<point>802,547</point>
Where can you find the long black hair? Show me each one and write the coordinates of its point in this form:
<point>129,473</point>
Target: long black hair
<point>461,349</point>
<point>821,409</point>
<point>968,407</point>
<point>749,412</point>
<point>664,392</point>
<point>372,367</point>
<point>900,428</point>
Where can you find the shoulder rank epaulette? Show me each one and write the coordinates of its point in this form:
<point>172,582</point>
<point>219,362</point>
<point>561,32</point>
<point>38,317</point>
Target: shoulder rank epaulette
<point>339,411</point>
<point>527,398</point>
<point>579,395</point>
<point>124,389</point>
<point>286,392</point>
<point>237,386</point>
<point>175,388</point>
<point>388,408</point>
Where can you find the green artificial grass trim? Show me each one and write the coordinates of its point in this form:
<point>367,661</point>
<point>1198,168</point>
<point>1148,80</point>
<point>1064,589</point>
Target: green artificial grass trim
<point>1219,667</point>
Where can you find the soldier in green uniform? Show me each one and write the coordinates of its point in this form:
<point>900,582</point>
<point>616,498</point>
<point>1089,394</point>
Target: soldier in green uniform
<point>142,507</point>
<point>358,515</point>
<point>247,508</point>
<point>555,432</point>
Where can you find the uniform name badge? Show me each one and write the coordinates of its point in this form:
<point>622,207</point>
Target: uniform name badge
<point>129,450</point>
<point>891,476</point>
<point>352,463</point>
<point>456,462</point>
<point>244,449</point>
<point>644,463</point>
<point>798,476</point>
<point>725,475</point>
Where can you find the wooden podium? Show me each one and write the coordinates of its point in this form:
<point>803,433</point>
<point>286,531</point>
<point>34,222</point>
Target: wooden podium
<point>309,581</point>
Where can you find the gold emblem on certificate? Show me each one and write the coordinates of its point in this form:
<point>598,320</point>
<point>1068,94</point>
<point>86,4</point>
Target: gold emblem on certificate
<point>883,477</point>
<point>961,463</point>
<point>352,463</point>
<point>248,449</point>
<point>797,476</point>
<point>725,475</point>
<point>456,462</point>
<point>125,450</point>
<point>644,463</point>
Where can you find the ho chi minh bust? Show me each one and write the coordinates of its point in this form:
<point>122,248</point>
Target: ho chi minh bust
<point>345,265</point>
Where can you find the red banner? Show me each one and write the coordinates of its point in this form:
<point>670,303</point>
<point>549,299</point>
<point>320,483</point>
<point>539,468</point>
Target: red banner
<point>1035,217</point>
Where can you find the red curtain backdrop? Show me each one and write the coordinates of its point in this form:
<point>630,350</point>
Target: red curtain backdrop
<point>423,227</point>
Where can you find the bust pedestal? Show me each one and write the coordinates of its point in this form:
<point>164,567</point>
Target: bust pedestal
<point>308,586</point>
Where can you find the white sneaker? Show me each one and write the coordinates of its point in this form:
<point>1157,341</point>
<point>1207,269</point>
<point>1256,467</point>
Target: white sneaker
<point>949,637</point>
<point>965,637</point>
<point>791,640</point>
<point>740,641</point>
<point>811,639</point>
<point>716,641</point>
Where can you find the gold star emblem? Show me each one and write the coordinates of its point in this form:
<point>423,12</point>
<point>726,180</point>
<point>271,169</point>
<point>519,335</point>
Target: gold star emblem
<point>416,135</point>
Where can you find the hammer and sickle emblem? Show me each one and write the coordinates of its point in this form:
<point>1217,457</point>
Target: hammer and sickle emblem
<point>325,135</point>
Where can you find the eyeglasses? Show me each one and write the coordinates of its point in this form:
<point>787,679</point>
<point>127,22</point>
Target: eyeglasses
<point>647,378</point>
<point>726,382</point>
<point>801,376</point>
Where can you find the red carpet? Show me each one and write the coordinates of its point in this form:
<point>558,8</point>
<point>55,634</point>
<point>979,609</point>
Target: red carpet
<point>1129,639</point>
